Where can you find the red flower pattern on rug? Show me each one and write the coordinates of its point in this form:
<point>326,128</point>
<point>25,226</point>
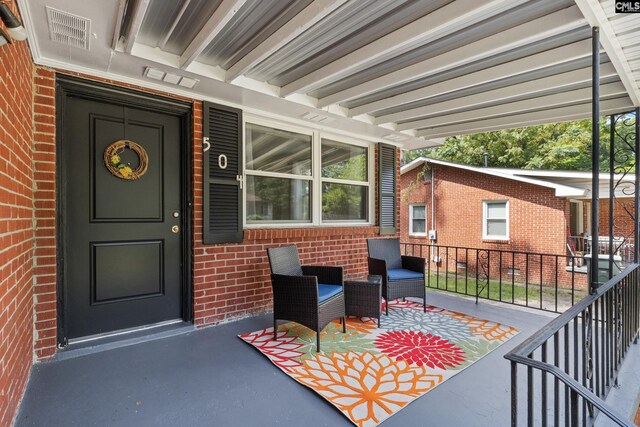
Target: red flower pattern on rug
<point>283,352</point>
<point>420,349</point>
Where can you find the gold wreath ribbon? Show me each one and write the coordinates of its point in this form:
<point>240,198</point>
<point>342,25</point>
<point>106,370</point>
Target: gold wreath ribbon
<point>113,162</point>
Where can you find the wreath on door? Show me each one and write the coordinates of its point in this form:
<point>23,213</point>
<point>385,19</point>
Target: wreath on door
<point>114,164</point>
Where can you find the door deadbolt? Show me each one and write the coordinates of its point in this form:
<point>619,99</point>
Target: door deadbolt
<point>175,228</point>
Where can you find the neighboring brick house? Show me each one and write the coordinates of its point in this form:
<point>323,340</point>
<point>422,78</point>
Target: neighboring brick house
<point>503,209</point>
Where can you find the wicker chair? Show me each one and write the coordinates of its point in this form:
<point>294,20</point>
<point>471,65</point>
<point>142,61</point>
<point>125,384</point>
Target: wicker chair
<point>310,295</point>
<point>402,276</point>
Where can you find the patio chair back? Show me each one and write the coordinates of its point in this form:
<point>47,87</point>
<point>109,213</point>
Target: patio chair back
<point>386,249</point>
<point>285,260</point>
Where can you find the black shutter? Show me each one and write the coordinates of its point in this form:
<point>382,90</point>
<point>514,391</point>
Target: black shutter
<point>222,177</point>
<point>387,188</point>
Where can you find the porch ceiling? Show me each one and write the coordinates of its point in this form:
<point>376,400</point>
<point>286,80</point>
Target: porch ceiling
<point>406,71</point>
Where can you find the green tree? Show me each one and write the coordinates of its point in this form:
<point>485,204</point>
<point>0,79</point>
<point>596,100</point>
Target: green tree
<point>565,146</point>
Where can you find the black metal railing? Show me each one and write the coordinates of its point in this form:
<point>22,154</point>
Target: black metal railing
<point>549,282</point>
<point>568,367</point>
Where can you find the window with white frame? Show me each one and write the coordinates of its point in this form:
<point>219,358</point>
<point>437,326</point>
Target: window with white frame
<point>418,220</point>
<point>495,220</point>
<point>345,183</point>
<point>295,177</point>
<point>279,169</point>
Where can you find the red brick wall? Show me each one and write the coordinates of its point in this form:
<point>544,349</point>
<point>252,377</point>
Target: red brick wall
<point>232,280</point>
<point>45,213</point>
<point>538,219</point>
<point>229,281</point>
<point>16,225</point>
<point>413,190</point>
<point>623,222</point>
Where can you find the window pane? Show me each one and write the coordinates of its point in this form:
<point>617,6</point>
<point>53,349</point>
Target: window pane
<point>344,202</point>
<point>496,227</point>
<point>275,150</point>
<point>497,210</point>
<point>419,226</point>
<point>343,161</point>
<point>419,212</point>
<point>278,199</point>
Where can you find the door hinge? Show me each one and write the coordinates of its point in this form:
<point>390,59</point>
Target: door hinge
<point>240,179</point>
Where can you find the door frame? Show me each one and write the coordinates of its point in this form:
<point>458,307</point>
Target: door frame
<point>66,86</point>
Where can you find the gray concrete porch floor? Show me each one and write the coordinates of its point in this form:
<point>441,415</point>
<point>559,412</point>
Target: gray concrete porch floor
<point>209,377</point>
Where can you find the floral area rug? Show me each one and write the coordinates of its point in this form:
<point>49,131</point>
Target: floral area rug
<point>371,373</point>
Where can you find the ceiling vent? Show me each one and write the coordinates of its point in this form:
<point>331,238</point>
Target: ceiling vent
<point>315,117</point>
<point>154,73</point>
<point>69,29</point>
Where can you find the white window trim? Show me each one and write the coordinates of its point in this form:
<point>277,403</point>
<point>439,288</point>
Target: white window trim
<point>316,164</point>
<point>411,232</point>
<point>486,236</point>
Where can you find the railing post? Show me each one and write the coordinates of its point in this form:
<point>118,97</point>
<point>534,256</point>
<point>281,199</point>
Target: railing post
<point>612,191</point>
<point>514,394</point>
<point>574,409</point>
<point>636,197</point>
<point>595,155</point>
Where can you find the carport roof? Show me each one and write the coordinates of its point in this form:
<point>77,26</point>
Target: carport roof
<point>408,72</point>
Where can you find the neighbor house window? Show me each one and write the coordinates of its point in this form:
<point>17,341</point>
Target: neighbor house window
<point>418,220</point>
<point>278,165</point>
<point>495,220</point>
<point>344,179</point>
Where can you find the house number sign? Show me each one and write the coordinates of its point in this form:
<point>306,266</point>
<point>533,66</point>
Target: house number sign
<point>206,146</point>
<point>222,158</point>
<point>222,161</point>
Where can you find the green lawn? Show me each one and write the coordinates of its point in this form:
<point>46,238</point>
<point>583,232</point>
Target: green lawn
<point>518,293</point>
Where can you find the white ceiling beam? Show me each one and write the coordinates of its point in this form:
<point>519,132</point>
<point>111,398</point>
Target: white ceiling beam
<point>596,17</point>
<point>513,38</point>
<point>555,100</point>
<point>557,82</point>
<point>176,20</point>
<point>553,115</point>
<point>304,20</point>
<point>534,62</point>
<point>211,29</point>
<point>137,15</point>
<point>443,21</point>
<point>120,11</point>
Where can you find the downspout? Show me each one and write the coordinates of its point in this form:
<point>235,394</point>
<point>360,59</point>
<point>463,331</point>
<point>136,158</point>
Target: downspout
<point>433,210</point>
<point>595,156</point>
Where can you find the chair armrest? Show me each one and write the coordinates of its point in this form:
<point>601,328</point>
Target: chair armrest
<point>329,275</point>
<point>413,263</point>
<point>300,290</point>
<point>378,266</point>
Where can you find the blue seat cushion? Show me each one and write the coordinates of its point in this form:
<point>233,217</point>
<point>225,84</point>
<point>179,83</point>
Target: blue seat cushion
<point>327,291</point>
<point>402,274</point>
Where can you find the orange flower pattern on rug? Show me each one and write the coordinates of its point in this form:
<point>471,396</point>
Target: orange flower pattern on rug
<point>368,388</point>
<point>371,373</point>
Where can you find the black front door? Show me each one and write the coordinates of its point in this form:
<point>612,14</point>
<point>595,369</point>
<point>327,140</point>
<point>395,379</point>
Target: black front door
<point>122,239</point>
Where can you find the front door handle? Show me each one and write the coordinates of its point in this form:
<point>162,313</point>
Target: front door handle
<point>175,229</point>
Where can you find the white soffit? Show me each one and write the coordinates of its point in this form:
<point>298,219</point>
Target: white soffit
<point>412,72</point>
